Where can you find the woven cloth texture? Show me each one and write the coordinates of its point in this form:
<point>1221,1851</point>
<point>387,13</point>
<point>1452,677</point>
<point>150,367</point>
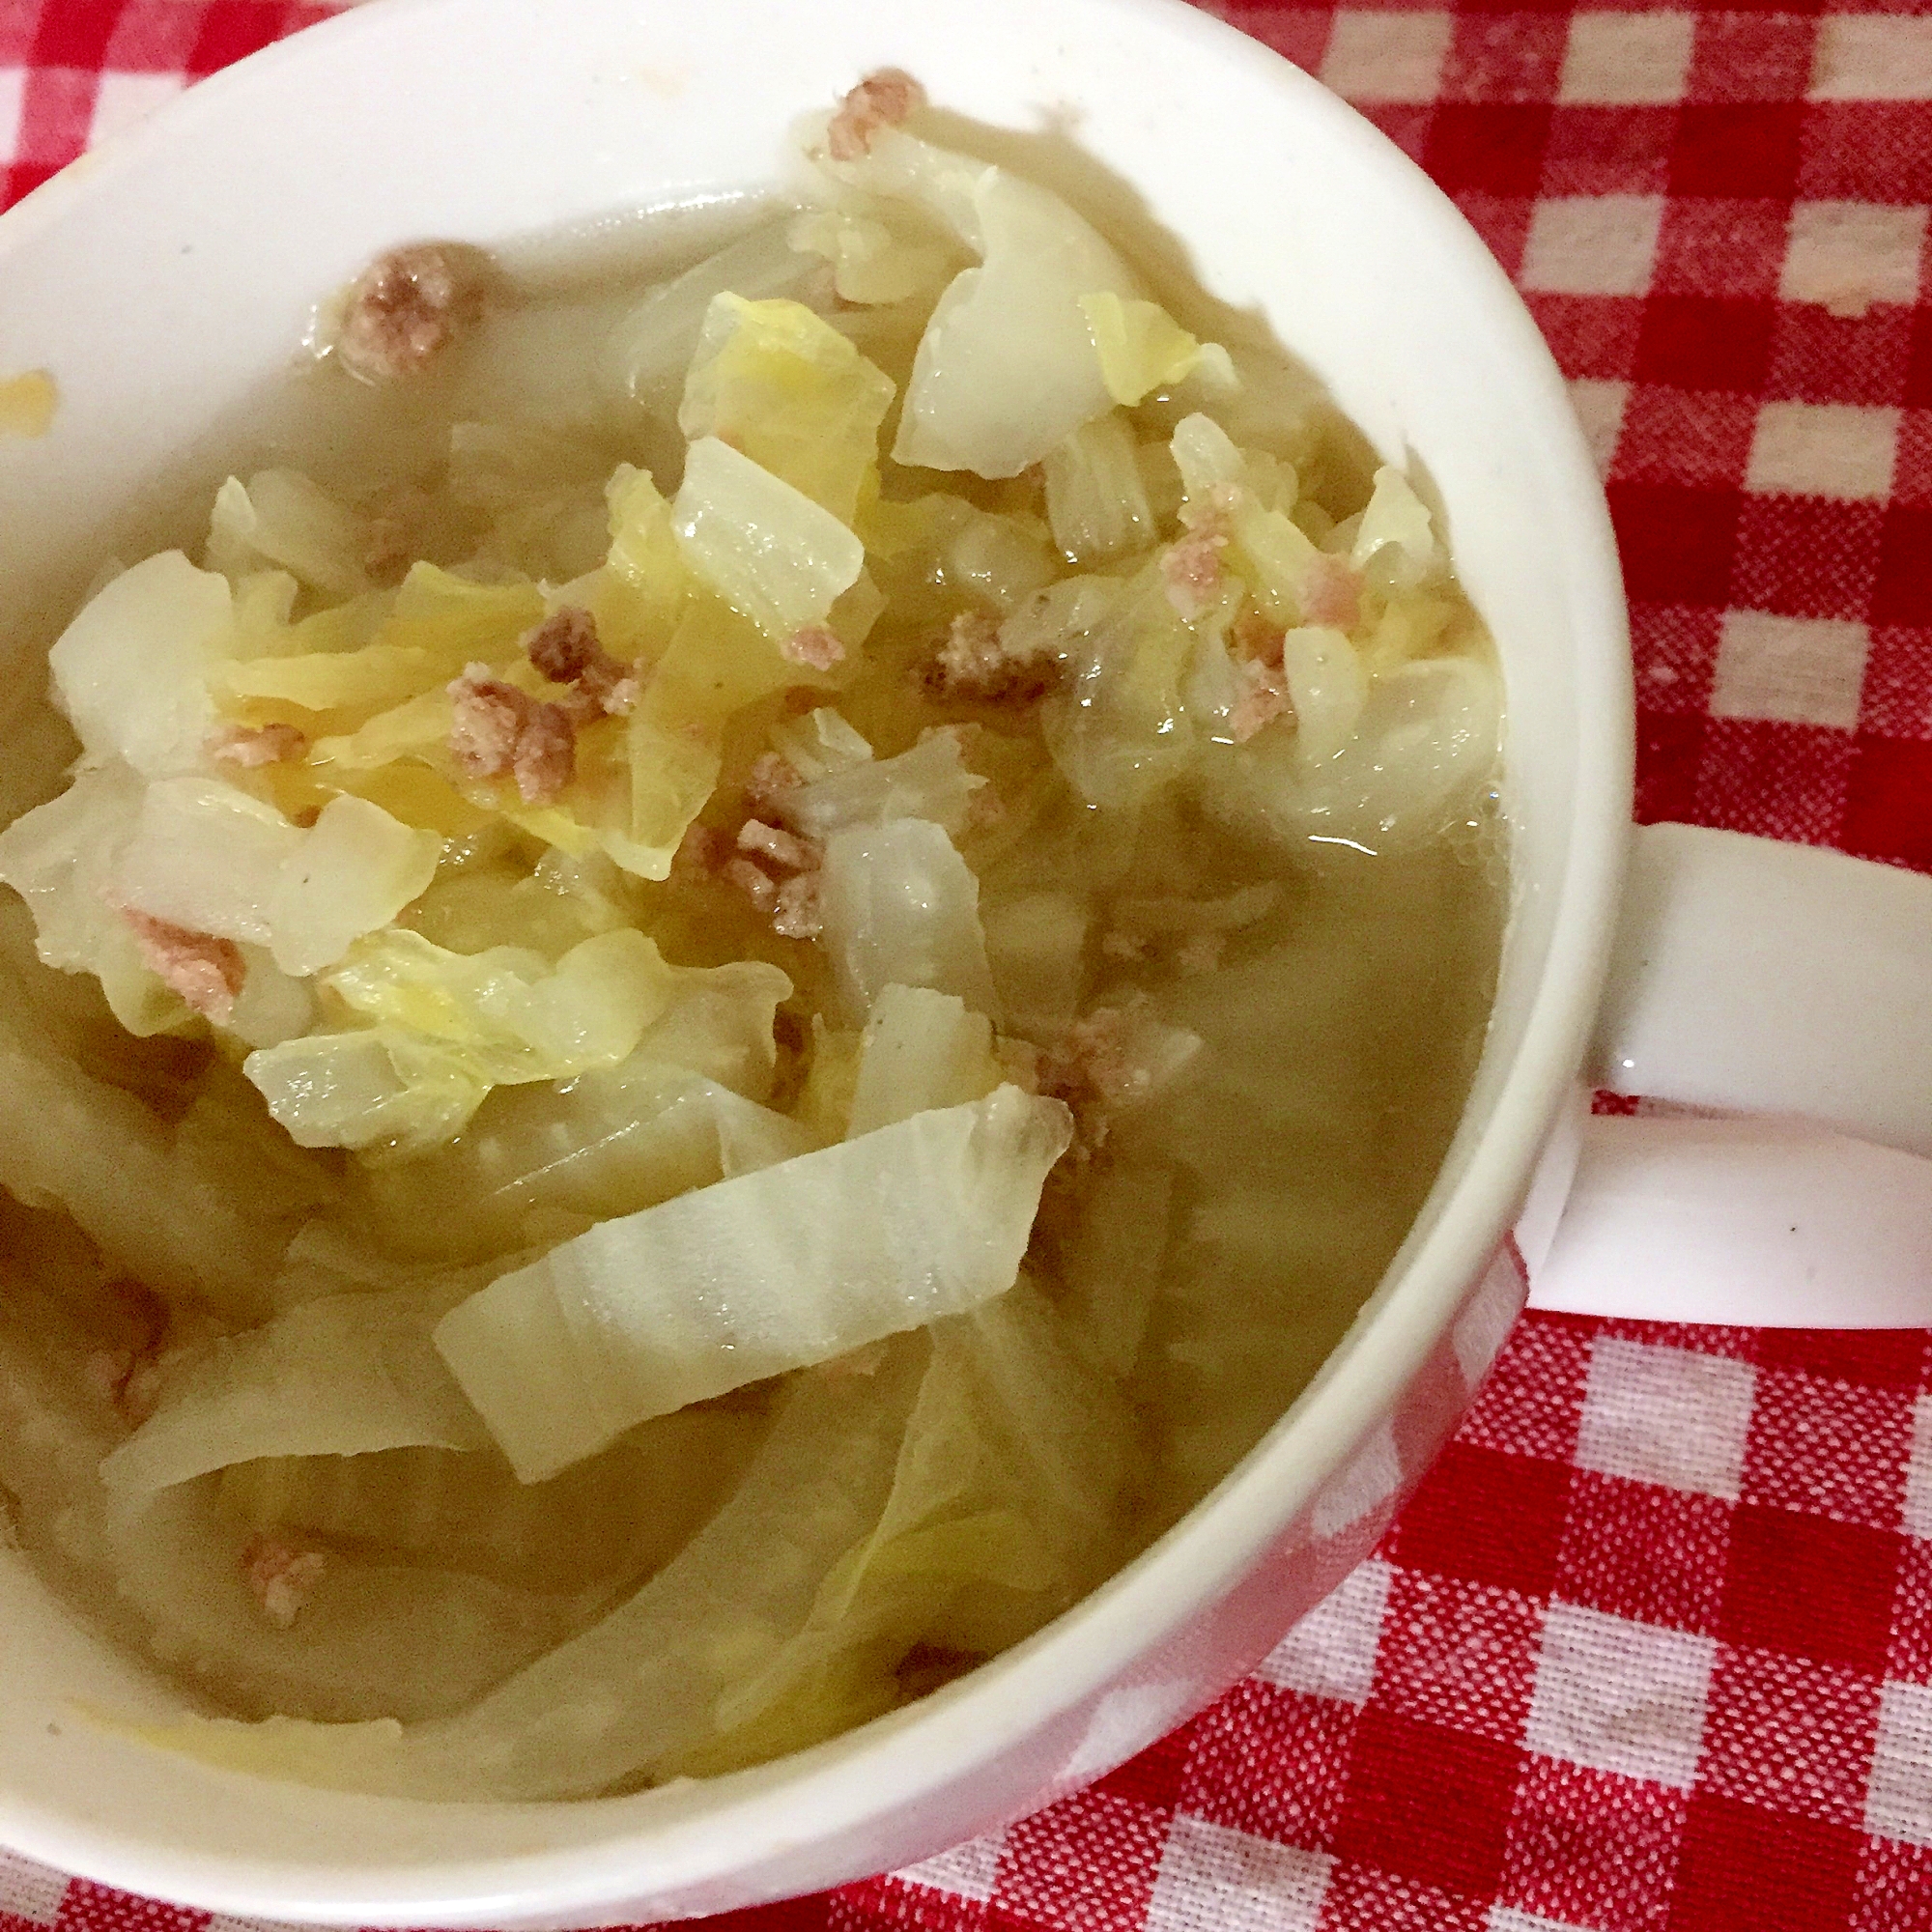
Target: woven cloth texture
<point>1651,1649</point>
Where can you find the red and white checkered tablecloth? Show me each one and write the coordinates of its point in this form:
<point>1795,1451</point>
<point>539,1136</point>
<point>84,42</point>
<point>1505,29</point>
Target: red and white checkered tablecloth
<point>1651,1650</point>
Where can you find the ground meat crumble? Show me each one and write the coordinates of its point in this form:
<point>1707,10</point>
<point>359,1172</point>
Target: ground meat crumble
<point>206,971</point>
<point>1263,698</point>
<point>814,647</point>
<point>773,777</point>
<point>1263,695</point>
<point>785,885</point>
<point>882,99</point>
<point>1191,571</point>
<point>407,307</point>
<point>1331,594</point>
<point>500,731</point>
<point>129,1374</point>
<point>252,746</point>
<point>281,1576</point>
<point>565,648</point>
<point>974,663</point>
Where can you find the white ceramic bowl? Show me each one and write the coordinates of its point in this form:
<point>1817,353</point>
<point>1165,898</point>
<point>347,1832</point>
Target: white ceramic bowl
<point>165,277</point>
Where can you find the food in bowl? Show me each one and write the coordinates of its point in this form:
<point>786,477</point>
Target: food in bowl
<point>705,1103</point>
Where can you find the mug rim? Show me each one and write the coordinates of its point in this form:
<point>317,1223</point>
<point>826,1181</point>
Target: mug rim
<point>945,1735</point>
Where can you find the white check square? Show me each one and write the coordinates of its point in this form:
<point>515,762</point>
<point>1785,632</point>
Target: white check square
<point>123,101</point>
<point>1592,244</point>
<point>29,1890</point>
<point>1621,1696</point>
<point>1599,407</point>
<point>1331,1652</point>
<point>1898,1798</point>
<point>1213,1877</point>
<point>1823,450</point>
<point>1801,671</point>
<point>1872,57</point>
<point>13,104</point>
<point>1617,60</point>
<point>1918,1472</point>
<point>967,1871</point>
<point>1390,57</point>
<point>1666,1415</point>
<point>1846,255</point>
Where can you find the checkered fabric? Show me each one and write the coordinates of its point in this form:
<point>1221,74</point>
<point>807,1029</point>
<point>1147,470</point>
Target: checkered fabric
<point>1651,1648</point>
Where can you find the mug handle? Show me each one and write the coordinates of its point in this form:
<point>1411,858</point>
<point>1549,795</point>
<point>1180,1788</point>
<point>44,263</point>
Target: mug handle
<point>1781,996</point>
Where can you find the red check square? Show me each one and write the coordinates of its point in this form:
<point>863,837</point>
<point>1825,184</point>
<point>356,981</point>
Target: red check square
<point>1590,1848</point>
<point>1494,148</point>
<point>1810,1587</point>
<point>1885,814</point>
<point>1737,149</point>
<point>1828,1447</point>
<point>1487,1517</point>
<point>1789,1735</point>
<point>1273,1763</point>
<point>1746,1870</point>
<point>1807,556</point>
<point>1458,1654</point>
<point>1705,342</point>
<point>1428,1803</point>
<point>1676,543</point>
<point>1640,1551</point>
<point>1776,779</point>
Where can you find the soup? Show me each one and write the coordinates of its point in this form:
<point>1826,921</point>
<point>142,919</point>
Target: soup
<point>749,966</point>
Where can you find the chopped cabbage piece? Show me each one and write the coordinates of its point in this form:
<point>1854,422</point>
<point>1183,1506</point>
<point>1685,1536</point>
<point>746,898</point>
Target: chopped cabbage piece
<point>129,1180</point>
<point>920,1049</point>
<point>1426,743</point>
<point>1119,730</point>
<point>651,347</point>
<point>131,670</point>
<point>780,385</point>
<point>640,595</point>
<point>168,1573</point>
<point>283,518</point>
<point>340,1376</point>
<point>774,1270</point>
<point>457,622</point>
<point>627,1698</point>
<point>1142,347</point>
<point>718,1023</point>
<point>1094,497</point>
<point>366,681</point>
<point>901,907</point>
<point>1396,519</point>
<point>927,781</point>
<point>380,1087</point>
<point>1328,688</point>
<point>207,857</point>
<point>1205,455</point>
<point>764,547</point>
<point>875,256</point>
<point>61,859</point>
<point>509,1014</point>
<point>1037,946</point>
<point>818,743</point>
<point>997,1519</point>
<point>622,1515</point>
<point>610,1143</point>
<point>716,663</point>
<point>1006,369</point>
